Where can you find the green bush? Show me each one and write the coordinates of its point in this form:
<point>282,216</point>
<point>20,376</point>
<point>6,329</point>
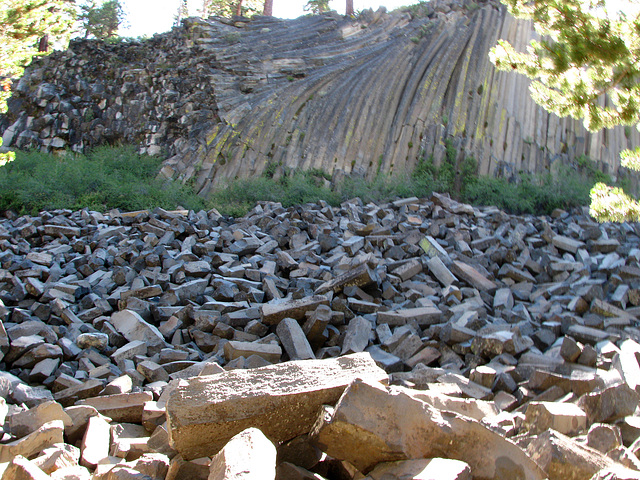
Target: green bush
<point>108,177</point>
<point>239,196</point>
<point>531,194</point>
<point>117,177</point>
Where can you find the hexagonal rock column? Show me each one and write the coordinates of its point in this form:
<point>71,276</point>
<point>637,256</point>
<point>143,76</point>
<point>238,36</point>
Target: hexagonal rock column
<point>281,400</point>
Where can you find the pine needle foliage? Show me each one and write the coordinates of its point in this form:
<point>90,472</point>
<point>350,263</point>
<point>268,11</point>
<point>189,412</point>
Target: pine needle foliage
<point>586,65</point>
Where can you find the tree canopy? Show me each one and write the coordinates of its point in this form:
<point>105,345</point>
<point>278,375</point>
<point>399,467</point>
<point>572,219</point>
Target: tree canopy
<point>586,65</point>
<point>101,20</point>
<point>229,8</point>
<point>317,6</point>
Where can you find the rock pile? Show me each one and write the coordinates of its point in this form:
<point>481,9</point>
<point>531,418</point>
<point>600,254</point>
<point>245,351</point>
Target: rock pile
<point>416,339</point>
<point>156,93</point>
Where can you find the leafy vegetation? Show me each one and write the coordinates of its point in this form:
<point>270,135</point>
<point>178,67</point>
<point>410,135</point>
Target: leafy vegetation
<point>106,178</point>
<point>101,19</point>
<point>316,6</point>
<point>229,8</point>
<point>117,177</point>
<point>586,66</point>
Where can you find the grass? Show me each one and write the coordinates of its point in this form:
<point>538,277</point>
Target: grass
<point>108,177</point>
<point>117,177</point>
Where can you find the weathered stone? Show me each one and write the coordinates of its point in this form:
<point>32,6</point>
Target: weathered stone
<point>152,371</point>
<point>357,336</point>
<point>604,437</point>
<point>69,396</point>
<point>273,313</point>
<point>566,418</point>
<point>433,249</point>
<point>124,407</point>
<point>567,244</point>
<point>301,451</point>
<point>503,299</point>
<point>422,469</point>
<point>476,409</point>
<point>180,469</point>
<point>372,424</point>
<point>293,340</point>
<point>57,457</point>
<point>626,363</point>
<point>19,468</point>
<point>609,404</point>
<point>426,356</point>
<point>314,327</point>
<point>570,350</point>
<point>424,316</point>
<point>291,392</point>
<point>408,270</point>
<point>248,455</point>
<point>616,472</point>
<point>563,459</point>
<point>408,347</point>
<point>439,270</point>
<point>28,421</point>
<point>289,471</point>
<point>44,437</point>
<point>133,327</point>
<point>359,276</point>
<point>270,352</point>
<point>95,443</point>
<point>472,276</point>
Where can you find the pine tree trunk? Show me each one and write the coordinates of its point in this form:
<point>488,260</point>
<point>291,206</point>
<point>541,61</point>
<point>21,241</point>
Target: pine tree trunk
<point>43,44</point>
<point>349,10</point>
<point>268,8</point>
<point>239,9</point>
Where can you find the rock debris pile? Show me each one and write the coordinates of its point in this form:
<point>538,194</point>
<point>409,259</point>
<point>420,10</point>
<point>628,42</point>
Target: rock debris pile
<point>418,339</point>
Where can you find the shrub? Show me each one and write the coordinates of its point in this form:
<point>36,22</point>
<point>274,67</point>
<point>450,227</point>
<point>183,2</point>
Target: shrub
<point>108,177</point>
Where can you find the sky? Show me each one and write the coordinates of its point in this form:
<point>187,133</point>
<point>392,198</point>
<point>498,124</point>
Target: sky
<point>146,17</point>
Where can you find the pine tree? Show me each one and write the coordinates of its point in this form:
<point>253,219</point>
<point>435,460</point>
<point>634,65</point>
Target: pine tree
<point>23,25</point>
<point>229,8</point>
<point>101,20</point>
<point>183,12</point>
<point>349,8</point>
<point>587,66</point>
<point>267,11</point>
<point>317,6</point>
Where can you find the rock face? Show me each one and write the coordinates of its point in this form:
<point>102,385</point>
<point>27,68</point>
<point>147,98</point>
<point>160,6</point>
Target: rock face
<point>133,343</point>
<point>226,99</point>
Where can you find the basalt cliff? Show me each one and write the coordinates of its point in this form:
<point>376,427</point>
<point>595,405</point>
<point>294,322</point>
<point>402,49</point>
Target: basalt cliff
<point>227,98</point>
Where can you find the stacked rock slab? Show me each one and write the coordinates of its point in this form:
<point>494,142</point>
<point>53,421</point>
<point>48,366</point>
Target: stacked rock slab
<point>132,343</point>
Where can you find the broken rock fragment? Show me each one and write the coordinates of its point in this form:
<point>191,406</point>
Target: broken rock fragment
<point>282,400</point>
<point>422,469</point>
<point>372,424</point>
<point>249,455</point>
<point>564,459</point>
<point>273,313</point>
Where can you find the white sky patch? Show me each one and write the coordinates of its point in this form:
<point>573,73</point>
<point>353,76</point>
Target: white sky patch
<point>146,17</point>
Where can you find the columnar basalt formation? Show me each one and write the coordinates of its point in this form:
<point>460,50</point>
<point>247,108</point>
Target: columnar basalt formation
<point>225,99</point>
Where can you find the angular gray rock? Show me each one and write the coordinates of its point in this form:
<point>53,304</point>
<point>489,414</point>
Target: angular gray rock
<point>282,401</point>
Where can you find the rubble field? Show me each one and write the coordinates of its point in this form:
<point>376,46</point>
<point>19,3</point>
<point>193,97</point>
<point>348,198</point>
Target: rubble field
<point>419,339</point>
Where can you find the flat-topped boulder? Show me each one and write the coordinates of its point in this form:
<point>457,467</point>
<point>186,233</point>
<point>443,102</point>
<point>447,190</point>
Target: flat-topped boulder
<point>282,400</point>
